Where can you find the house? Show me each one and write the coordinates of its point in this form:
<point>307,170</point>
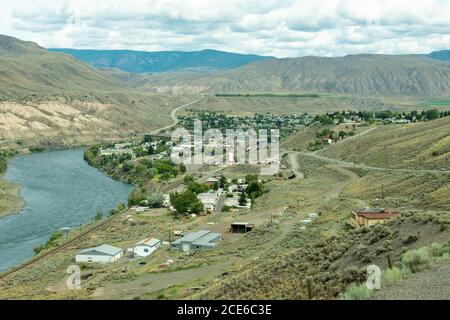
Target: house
<point>103,254</point>
<point>209,200</point>
<point>200,240</point>
<point>233,202</point>
<point>146,247</point>
<point>211,181</point>
<point>373,216</point>
<point>166,201</point>
<point>241,227</point>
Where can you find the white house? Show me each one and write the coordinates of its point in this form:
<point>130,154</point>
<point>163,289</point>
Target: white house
<point>103,254</point>
<point>146,247</point>
<point>209,200</point>
<point>166,201</point>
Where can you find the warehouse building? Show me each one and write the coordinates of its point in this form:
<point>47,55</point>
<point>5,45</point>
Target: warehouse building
<point>200,240</point>
<point>103,254</point>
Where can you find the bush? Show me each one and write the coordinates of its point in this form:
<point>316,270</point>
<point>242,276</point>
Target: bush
<point>411,238</point>
<point>99,216</point>
<point>417,260</point>
<point>392,276</point>
<point>38,248</point>
<point>385,247</point>
<point>356,292</point>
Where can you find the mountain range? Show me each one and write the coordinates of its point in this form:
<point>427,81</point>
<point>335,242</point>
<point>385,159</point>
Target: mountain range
<point>362,74</point>
<point>163,61</point>
<point>26,68</point>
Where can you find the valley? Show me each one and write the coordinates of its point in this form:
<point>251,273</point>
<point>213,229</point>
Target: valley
<point>360,134</point>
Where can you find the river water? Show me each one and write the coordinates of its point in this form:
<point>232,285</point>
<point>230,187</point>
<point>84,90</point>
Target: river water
<point>60,190</point>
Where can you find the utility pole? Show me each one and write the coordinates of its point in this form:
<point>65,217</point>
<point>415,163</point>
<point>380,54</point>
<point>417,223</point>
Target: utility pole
<point>170,225</point>
<point>382,191</point>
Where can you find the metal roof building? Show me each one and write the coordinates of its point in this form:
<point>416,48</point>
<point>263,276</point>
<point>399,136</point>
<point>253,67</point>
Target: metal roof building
<point>103,253</point>
<point>200,240</point>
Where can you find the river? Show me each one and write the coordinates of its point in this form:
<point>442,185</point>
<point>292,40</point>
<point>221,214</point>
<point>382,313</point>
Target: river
<point>60,190</point>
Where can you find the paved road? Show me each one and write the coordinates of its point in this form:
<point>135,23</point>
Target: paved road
<point>174,117</point>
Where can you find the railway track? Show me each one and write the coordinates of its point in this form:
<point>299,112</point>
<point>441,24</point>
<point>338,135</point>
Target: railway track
<point>79,237</point>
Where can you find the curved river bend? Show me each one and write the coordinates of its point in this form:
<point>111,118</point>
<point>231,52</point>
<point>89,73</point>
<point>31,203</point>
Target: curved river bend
<point>60,190</point>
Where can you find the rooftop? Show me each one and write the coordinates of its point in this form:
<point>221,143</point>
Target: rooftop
<point>103,249</point>
<point>192,237</point>
<point>149,242</point>
<point>207,239</point>
<point>377,213</point>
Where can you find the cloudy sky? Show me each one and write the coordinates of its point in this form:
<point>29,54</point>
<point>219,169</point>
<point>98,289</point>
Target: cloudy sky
<point>280,28</point>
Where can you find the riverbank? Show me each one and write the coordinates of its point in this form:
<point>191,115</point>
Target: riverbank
<point>10,200</point>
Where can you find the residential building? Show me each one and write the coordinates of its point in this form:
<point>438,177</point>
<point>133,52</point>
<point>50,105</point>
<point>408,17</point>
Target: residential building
<point>373,216</point>
<point>146,247</point>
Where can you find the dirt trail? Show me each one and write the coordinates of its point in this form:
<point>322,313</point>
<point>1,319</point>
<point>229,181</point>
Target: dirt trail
<point>295,166</point>
<point>157,281</point>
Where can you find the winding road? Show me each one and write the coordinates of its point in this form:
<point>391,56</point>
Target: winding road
<point>174,117</point>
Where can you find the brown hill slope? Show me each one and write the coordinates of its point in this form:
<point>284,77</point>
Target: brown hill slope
<point>54,98</point>
<point>364,74</point>
<point>414,145</point>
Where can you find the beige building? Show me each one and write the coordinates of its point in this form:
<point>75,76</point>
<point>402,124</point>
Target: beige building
<point>371,217</point>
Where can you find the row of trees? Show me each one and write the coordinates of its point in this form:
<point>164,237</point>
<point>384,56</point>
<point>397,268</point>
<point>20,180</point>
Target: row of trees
<point>370,116</point>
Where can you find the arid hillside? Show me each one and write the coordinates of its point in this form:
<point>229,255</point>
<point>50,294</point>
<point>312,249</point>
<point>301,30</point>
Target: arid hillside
<point>364,75</point>
<point>50,98</point>
<point>414,145</point>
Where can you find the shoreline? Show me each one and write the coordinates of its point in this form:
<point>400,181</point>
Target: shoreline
<point>11,201</point>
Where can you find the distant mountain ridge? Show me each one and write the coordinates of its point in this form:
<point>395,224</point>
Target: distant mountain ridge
<point>361,74</point>
<point>443,55</point>
<point>162,61</point>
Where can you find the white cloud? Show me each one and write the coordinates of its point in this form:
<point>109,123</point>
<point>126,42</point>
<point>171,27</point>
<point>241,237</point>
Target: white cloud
<point>280,28</point>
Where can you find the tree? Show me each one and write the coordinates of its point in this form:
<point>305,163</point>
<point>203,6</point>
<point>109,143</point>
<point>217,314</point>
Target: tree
<point>136,197</point>
<point>243,199</point>
<point>185,201</point>
<point>432,114</point>
<point>254,189</point>
<point>156,200</point>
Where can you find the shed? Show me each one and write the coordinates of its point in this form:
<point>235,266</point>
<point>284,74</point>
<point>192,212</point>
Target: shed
<point>241,227</point>
<point>146,247</point>
<point>103,254</point>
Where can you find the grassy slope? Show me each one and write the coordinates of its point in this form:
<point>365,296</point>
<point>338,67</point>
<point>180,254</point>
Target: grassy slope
<point>415,145</point>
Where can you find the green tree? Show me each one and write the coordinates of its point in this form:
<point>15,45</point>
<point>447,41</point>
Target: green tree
<point>136,197</point>
<point>243,199</point>
<point>156,200</point>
